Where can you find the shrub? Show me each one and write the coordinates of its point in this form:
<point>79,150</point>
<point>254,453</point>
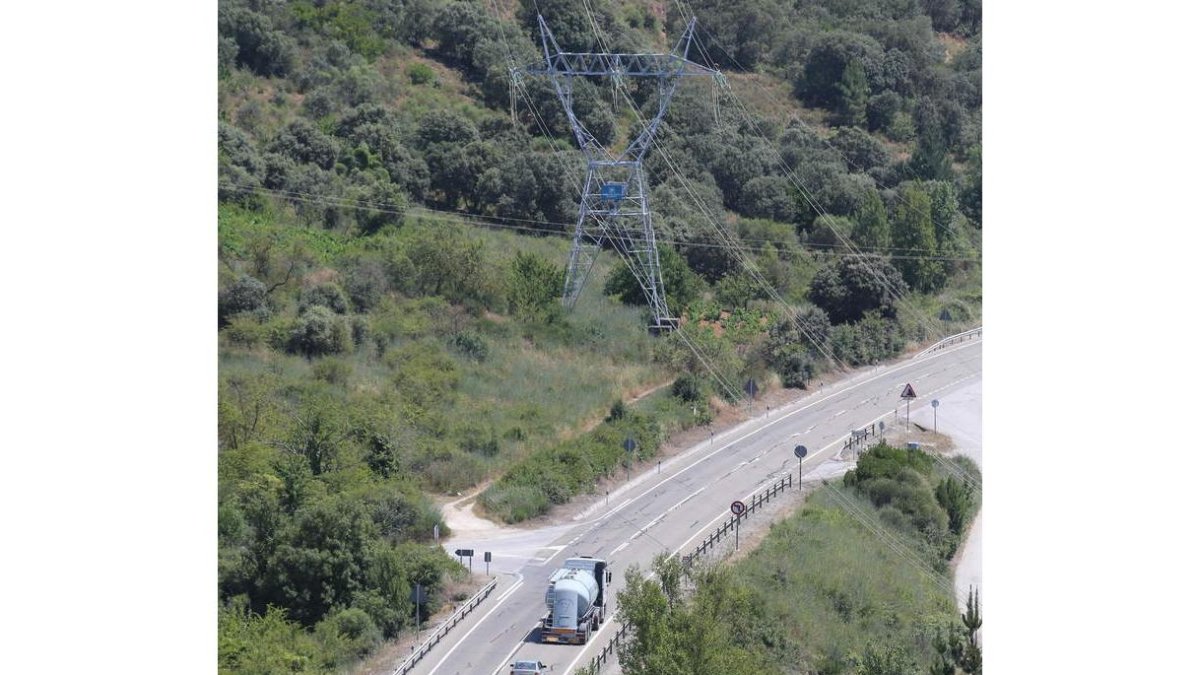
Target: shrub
<point>331,370</point>
<point>616,411</point>
<point>245,331</point>
<point>687,388</point>
<point>246,294</point>
<point>470,344</point>
<point>515,503</point>
<point>324,295</point>
<point>348,633</point>
<point>419,73</point>
<point>318,332</point>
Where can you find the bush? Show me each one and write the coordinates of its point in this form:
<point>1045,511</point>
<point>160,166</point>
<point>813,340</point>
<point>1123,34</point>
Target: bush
<point>247,294</point>
<point>687,388</point>
<point>515,503</point>
<point>616,411</point>
<point>244,331</point>
<point>348,633</point>
<point>333,371</point>
<point>324,295</point>
<point>318,332</point>
<point>470,344</point>
<point>420,73</point>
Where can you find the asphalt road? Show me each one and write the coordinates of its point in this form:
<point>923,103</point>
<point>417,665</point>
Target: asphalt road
<point>673,510</point>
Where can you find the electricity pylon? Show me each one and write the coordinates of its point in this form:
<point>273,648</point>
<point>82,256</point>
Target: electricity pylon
<point>614,204</point>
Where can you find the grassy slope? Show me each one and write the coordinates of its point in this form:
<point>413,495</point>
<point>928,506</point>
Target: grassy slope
<point>835,590</point>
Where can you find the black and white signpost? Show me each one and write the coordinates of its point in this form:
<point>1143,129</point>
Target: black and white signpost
<point>737,508</point>
<point>800,452</point>
<point>935,405</point>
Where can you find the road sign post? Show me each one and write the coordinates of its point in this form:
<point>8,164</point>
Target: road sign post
<point>418,598</point>
<point>935,405</point>
<point>487,559</point>
<point>629,446</point>
<point>737,508</point>
<point>800,452</point>
<point>908,395</point>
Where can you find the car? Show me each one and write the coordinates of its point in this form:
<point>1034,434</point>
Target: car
<point>529,668</point>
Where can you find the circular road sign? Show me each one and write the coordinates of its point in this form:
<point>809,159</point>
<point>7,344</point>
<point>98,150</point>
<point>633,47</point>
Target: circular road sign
<point>801,451</point>
<point>935,403</point>
<point>737,508</point>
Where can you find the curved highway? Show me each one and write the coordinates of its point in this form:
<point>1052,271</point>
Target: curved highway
<point>673,510</point>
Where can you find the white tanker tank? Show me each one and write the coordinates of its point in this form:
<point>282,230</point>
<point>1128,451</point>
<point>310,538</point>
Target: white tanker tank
<point>575,600</point>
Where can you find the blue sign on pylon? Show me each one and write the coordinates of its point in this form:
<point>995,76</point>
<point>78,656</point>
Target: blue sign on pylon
<point>612,192</point>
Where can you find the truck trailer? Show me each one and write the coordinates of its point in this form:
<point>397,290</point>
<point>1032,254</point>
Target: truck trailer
<point>576,600</point>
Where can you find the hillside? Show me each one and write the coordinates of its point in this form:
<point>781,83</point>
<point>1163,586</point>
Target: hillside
<point>393,225</point>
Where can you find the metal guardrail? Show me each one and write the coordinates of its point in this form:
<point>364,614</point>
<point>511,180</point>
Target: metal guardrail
<point>723,531</point>
<point>758,501</point>
<point>952,340</point>
<point>444,628</point>
<point>858,437</point>
<point>609,651</point>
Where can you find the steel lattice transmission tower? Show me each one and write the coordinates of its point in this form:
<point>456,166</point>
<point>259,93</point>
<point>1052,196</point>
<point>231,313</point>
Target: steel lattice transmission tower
<point>614,204</point>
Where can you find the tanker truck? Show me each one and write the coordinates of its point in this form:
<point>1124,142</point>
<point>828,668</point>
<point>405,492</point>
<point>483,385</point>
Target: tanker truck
<point>575,600</point>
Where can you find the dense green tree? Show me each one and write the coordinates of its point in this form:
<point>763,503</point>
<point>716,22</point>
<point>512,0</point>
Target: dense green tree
<point>853,93</point>
<point>768,197</point>
<point>735,291</point>
<point>881,108</point>
<point>943,13</point>
<point>534,286</point>
<point>943,207</point>
<point>871,229</point>
<point>260,47</point>
<point>322,559</point>
<point>736,34</point>
<point>860,149</point>
<point>303,142</point>
<point>681,284</point>
<point>458,27</point>
<point>914,240</point>
<point>826,65</point>
<point>855,284</point>
<point>955,497</point>
<point>930,160</point>
<point>794,344</point>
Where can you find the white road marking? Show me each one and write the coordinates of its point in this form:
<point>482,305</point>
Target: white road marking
<point>854,385</point>
<point>504,661</point>
<point>499,601</point>
<point>617,549</point>
<point>839,413</point>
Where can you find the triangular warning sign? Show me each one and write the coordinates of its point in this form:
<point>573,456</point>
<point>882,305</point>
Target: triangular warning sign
<point>908,392</point>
